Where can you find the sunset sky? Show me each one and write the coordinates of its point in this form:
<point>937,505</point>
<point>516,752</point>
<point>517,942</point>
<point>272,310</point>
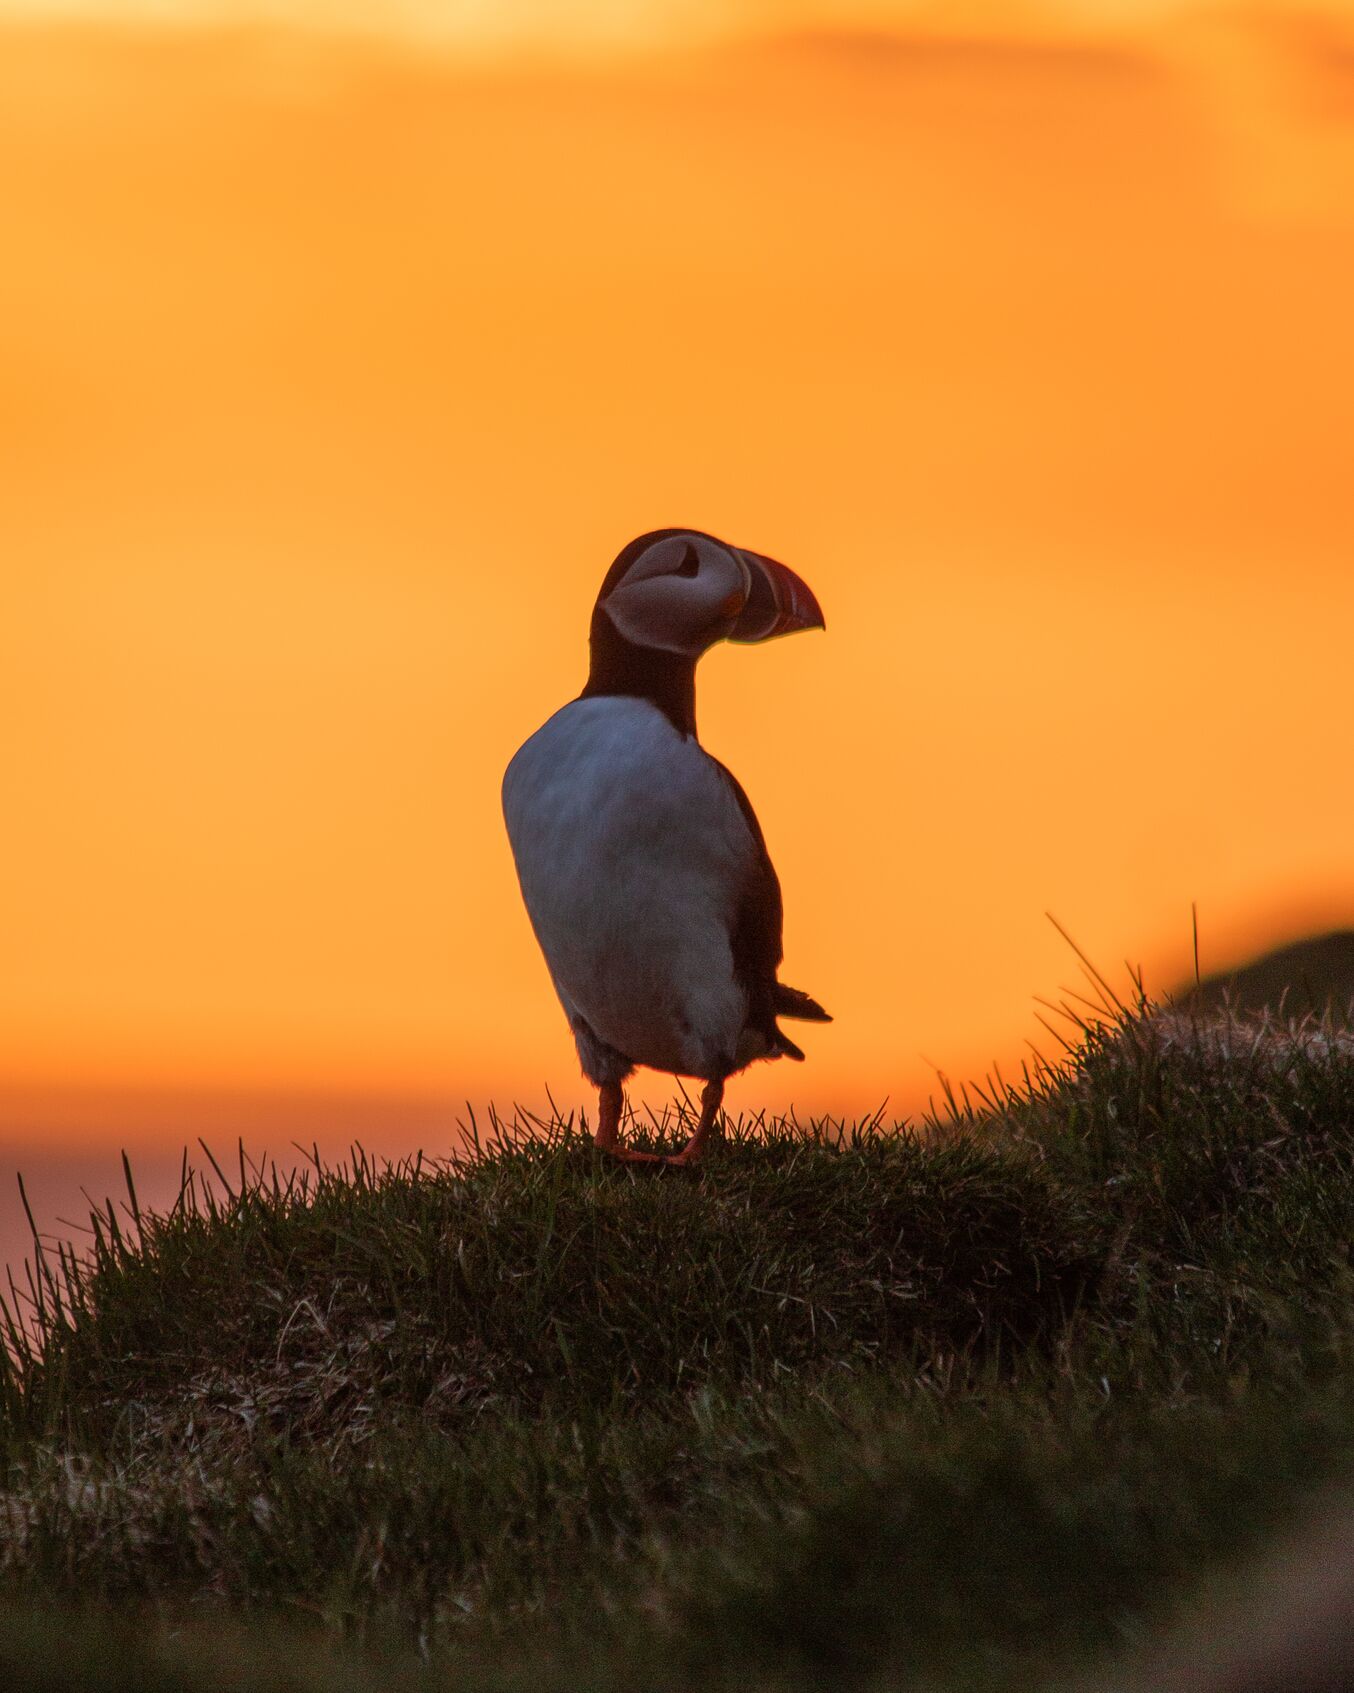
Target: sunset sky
<point>338,358</point>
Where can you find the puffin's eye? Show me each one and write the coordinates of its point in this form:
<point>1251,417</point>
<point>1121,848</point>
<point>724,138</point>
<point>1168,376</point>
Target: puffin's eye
<point>690,564</point>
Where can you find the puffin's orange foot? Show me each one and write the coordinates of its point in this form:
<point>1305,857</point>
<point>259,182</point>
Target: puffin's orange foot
<point>628,1154</point>
<point>693,1152</point>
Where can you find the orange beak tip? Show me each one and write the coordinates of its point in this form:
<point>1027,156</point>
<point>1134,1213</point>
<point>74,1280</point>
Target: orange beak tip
<point>779,602</point>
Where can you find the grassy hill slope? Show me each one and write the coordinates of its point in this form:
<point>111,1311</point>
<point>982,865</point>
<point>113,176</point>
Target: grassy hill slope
<point>1309,975</point>
<point>965,1408</point>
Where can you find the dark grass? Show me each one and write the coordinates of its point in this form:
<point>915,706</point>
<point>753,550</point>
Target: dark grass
<point>532,1276</point>
<point>954,1409</point>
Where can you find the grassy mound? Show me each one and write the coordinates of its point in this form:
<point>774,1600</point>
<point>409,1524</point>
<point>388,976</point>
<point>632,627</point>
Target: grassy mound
<point>534,1277</point>
<point>959,1408</point>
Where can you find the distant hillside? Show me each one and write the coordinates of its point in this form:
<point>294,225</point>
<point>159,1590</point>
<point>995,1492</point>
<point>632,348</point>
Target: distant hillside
<point>1307,975</point>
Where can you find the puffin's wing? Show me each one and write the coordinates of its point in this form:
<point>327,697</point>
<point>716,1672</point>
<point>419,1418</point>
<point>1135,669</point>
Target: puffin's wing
<point>755,939</point>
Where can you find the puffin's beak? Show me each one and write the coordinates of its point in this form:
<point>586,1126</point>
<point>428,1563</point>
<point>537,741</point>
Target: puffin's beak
<point>778,603</point>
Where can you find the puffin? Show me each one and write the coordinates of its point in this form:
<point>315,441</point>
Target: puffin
<point>642,865</point>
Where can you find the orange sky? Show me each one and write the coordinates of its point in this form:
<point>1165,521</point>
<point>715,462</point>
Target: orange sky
<point>334,376</point>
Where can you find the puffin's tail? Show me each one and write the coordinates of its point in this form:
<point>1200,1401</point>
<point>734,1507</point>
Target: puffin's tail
<point>790,1002</point>
<point>786,1048</point>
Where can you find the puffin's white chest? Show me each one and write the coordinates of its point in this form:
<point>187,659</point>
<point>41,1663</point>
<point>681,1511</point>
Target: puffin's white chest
<point>633,854</point>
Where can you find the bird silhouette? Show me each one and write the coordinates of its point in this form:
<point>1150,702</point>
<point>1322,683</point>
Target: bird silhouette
<point>641,861</point>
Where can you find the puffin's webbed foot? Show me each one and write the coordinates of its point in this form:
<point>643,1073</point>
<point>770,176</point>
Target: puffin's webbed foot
<point>692,1152</point>
<point>610,1102</point>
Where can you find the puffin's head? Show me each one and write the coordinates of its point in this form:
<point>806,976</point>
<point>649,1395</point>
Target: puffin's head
<point>680,591</point>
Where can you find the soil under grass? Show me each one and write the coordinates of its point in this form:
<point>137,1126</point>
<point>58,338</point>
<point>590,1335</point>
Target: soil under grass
<point>968,1407</point>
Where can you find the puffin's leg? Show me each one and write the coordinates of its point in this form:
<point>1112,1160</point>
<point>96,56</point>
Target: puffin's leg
<point>711,1100</point>
<point>610,1100</point>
